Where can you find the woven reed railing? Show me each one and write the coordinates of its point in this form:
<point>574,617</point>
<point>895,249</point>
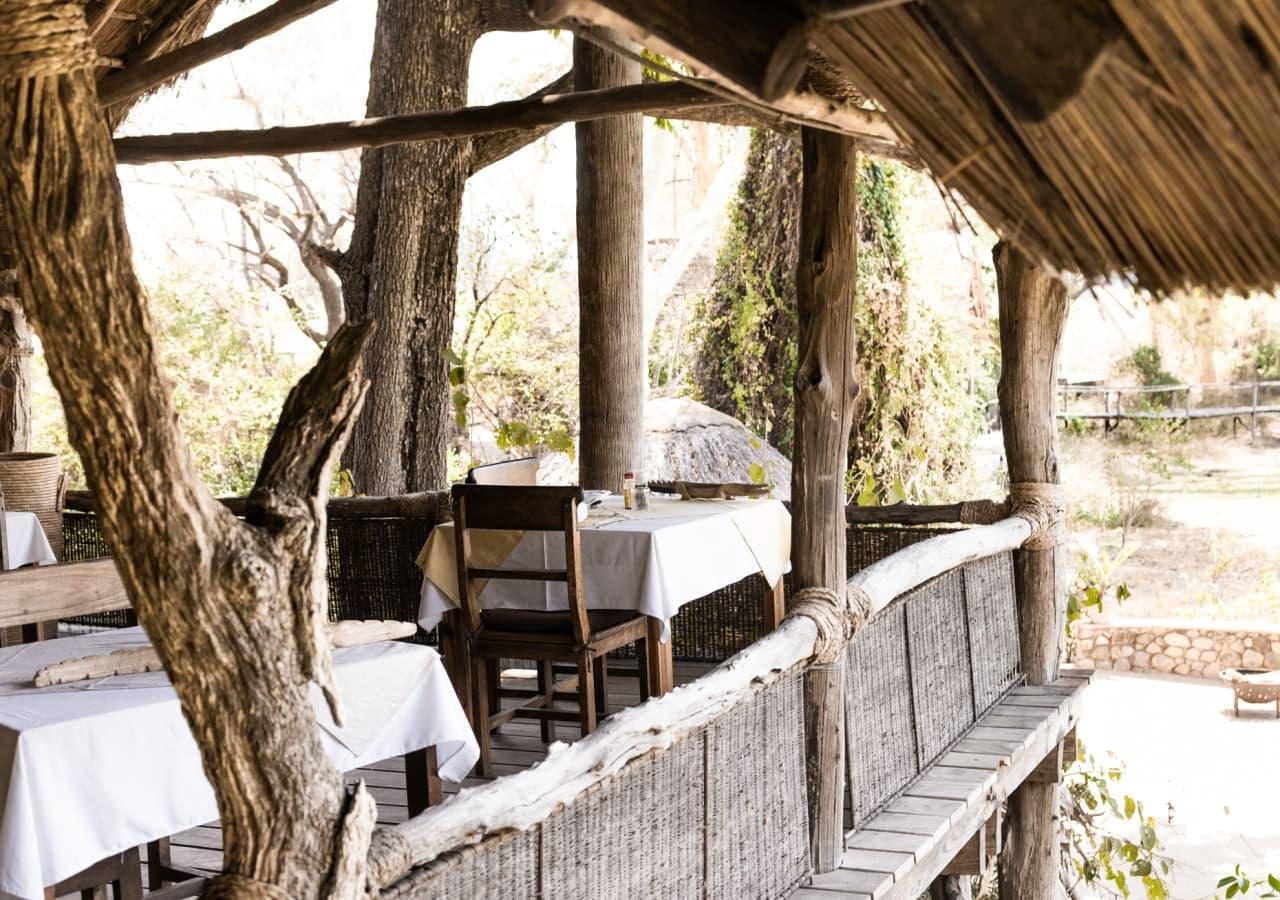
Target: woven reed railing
<point>655,767</point>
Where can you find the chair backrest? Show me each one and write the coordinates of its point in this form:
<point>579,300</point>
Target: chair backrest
<point>519,508</point>
<point>509,471</point>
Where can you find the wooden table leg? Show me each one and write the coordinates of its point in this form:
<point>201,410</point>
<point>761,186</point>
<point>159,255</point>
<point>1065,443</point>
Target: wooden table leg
<point>660,666</point>
<point>775,605</point>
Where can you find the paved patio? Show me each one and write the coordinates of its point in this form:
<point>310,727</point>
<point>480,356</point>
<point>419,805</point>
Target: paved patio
<point>1212,781</point>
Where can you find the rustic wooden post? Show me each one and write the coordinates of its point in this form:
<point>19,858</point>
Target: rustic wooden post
<point>611,361</point>
<point>825,388</point>
<point>1033,311</point>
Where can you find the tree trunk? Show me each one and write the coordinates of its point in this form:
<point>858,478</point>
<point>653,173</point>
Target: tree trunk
<point>402,263</point>
<point>612,378</point>
<point>1033,312</point>
<point>825,389</point>
<point>234,608</point>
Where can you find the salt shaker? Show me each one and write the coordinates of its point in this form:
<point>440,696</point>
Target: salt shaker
<point>641,495</point>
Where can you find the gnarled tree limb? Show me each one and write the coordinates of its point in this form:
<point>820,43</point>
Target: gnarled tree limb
<point>230,606</point>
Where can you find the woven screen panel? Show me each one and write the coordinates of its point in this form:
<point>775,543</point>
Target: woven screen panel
<point>371,570</point>
<point>867,544</point>
<point>757,813</point>
<point>941,680</point>
<point>880,721</point>
<point>638,835</point>
<point>499,868</point>
<point>993,628</point>
<point>82,541</point>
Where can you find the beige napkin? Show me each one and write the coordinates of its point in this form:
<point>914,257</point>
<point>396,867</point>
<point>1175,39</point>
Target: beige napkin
<point>439,557</point>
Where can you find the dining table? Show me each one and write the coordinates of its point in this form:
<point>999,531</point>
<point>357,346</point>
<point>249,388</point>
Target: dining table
<point>651,561</point>
<point>25,542</point>
<point>96,767</point>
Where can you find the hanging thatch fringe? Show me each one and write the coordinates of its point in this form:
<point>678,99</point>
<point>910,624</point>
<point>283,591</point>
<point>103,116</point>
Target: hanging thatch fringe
<point>1164,166</point>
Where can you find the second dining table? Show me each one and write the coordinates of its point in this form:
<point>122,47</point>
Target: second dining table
<point>650,561</point>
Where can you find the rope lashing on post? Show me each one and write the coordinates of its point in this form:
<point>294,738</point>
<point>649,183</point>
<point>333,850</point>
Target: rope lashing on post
<point>43,37</point>
<point>837,619</point>
<point>1042,504</point>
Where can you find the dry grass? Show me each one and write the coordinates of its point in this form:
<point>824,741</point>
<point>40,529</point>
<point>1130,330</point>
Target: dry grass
<point>1162,166</point>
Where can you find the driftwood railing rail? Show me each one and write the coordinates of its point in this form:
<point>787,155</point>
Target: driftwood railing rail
<point>1239,401</point>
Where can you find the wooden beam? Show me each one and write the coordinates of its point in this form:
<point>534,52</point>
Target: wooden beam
<point>731,43</point>
<point>824,395</point>
<point>141,77</point>
<point>969,512</point>
<point>1033,312</point>
<point>467,122</point>
<point>49,593</point>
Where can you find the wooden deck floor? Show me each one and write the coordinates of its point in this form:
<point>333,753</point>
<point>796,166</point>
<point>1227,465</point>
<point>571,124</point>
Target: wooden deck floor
<point>516,746</point>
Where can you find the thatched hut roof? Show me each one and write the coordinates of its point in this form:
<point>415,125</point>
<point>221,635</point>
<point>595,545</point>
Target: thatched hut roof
<point>686,440</point>
<point>1102,136</point>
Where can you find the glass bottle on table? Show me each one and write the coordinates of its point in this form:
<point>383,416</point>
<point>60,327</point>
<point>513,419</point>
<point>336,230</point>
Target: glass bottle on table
<point>628,489</point>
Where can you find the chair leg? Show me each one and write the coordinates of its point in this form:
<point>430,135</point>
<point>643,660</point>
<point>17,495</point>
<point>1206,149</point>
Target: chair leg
<point>159,858</point>
<point>602,687</point>
<point>546,687</point>
<point>481,724</point>
<point>642,669</point>
<point>422,780</point>
<point>586,694</point>
<point>494,676</point>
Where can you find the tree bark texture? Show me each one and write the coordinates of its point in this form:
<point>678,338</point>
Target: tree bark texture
<point>612,377</point>
<point>1033,311</point>
<point>402,263</point>
<point>235,609</point>
<point>15,372</point>
<point>825,390</point>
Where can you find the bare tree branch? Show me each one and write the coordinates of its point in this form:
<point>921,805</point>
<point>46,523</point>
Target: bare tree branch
<point>140,77</point>
<point>490,148</point>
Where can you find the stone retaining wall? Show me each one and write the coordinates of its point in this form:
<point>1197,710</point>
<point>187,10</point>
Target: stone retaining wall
<point>1180,648</point>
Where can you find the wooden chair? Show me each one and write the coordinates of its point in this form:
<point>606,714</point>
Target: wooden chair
<point>575,636</point>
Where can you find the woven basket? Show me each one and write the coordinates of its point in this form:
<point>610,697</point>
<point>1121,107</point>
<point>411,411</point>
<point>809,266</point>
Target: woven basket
<point>33,482</point>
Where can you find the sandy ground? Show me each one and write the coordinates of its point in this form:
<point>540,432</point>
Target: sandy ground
<point>1212,781</point>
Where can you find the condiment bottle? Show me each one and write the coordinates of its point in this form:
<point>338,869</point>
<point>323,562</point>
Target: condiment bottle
<point>628,488</point>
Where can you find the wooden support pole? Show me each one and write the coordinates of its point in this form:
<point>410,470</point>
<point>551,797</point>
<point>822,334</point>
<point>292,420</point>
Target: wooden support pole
<point>611,362</point>
<point>825,388</point>
<point>1033,312</point>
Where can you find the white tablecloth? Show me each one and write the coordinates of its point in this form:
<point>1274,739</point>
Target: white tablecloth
<point>25,540</point>
<point>96,767</point>
<point>652,562</point>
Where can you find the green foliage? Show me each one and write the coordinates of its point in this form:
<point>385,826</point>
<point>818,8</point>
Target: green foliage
<point>916,416</point>
<point>1146,364</point>
<point>1110,845</point>
<point>1095,582</point>
<point>1262,360</point>
<point>1238,883</point>
<point>513,366</point>
<point>229,378</point>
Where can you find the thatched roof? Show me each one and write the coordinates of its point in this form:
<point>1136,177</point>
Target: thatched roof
<point>1102,136</point>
